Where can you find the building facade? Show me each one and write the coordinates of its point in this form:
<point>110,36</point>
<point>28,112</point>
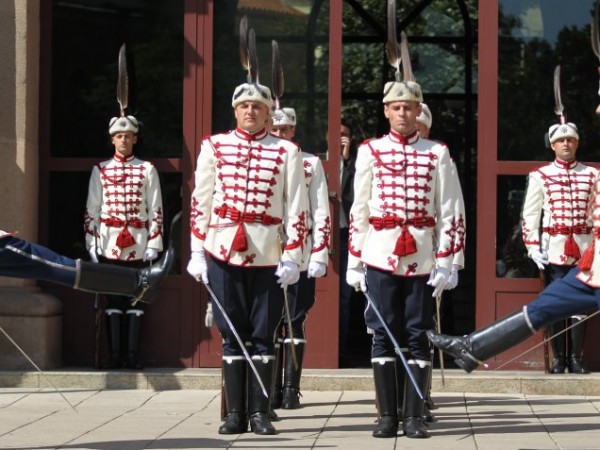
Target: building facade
<point>486,72</point>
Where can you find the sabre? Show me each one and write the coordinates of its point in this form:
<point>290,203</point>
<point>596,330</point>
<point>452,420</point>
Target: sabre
<point>237,338</point>
<point>396,346</point>
<point>545,341</point>
<point>12,341</point>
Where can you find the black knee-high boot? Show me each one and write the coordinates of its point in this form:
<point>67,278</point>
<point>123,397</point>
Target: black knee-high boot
<point>277,393</point>
<point>134,325</point>
<point>113,325</point>
<point>258,404</point>
<point>234,377</point>
<point>400,380</point>
<point>384,375</point>
<point>471,350</point>
<point>576,339</point>
<point>291,382</point>
<point>559,363</point>
<point>413,425</point>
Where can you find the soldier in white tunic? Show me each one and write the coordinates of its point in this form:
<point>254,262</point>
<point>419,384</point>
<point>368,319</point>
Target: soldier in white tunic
<point>557,230</point>
<point>124,226</point>
<point>246,188</point>
<point>403,235</point>
<point>315,256</point>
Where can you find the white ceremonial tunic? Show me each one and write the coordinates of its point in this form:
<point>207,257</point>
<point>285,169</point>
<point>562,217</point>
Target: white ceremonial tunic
<point>246,187</point>
<point>124,206</point>
<point>318,238</point>
<point>556,208</point>
<point>407,216</point>
<point>589,264</point>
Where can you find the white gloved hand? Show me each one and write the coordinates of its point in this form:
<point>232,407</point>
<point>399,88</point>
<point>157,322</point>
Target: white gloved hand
<point>453,280</point>
<point>208,318</point>
<point>316,269</point>
<point>288,273</point>
<point>93,254</point>
<point>197,266</point>
<point>356,278</point>
<point>438,279</point>
<point>540,258</point>
<point>150,254</point>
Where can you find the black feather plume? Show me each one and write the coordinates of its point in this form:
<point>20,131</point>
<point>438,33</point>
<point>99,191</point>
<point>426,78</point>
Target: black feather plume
<point>407,73</point>
<point>392,48</point>
<point>277,75</point>
<point>244,58</point>
<point>253,57</point>
<point>122,81</point>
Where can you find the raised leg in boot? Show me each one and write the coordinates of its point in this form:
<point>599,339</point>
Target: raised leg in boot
<point>576,340</point>
<point>258,403</point>
<point>234,378</point>
<point>413,425</point>
<point>472,350</point>
<point>384,375</point>
<point>559,363</point>
<point>292,374</point>
<point>113,325</point>
<point>134,325</point>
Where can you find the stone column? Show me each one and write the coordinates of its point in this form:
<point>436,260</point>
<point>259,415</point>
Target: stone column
<point>20,300</point>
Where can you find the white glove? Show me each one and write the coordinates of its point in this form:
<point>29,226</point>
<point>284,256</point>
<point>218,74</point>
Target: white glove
<point>93,254</point>
<point>197,266</point>
<point>356,278</point>
<point>438,279</point>
<point>150,254</point>
<point>288,273</point>
<point>316,269</point>
<point>453,280</point>
<point>208,318</point>
<point>540,258</point>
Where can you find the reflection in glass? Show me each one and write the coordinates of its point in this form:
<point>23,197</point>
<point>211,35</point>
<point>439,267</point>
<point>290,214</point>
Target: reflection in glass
<point>511,255</point>
<point>534,37</point>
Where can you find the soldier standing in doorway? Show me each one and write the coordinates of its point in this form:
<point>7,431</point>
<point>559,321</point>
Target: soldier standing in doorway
<point>557,230</point>
<point>124,226</point>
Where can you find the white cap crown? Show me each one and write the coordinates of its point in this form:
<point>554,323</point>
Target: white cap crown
<point>399,91</point>
<point>252,92</point>
<point>425,117</point>
<point>562,131</point>
<point>123,124</point>
<point>284,116</point>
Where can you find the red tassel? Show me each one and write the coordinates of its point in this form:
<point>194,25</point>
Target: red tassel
<point>125,239</point>
<point>405,245</point>
<point>571,248</point>
<point>240,242</point>
<point>585,263</point>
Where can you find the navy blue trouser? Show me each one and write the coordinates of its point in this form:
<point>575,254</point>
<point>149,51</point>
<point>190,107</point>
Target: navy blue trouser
<point>23,259</point>
<point>407,307</point>
<point>564,297</point>
<point>253,302</point>
<point>301,297</point>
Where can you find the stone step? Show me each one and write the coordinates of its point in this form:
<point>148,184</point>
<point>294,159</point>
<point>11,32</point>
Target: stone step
<point>455,380</point>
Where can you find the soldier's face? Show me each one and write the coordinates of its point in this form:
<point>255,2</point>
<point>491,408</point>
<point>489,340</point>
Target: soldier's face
<point>284,131</point>
<point>422,130</point>
<point>402,115</point>
<point>565,149</point>
<point>251,116</point>
<point>124,142</point>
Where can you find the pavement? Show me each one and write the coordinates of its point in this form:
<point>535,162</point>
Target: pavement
<point>83,414</point>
